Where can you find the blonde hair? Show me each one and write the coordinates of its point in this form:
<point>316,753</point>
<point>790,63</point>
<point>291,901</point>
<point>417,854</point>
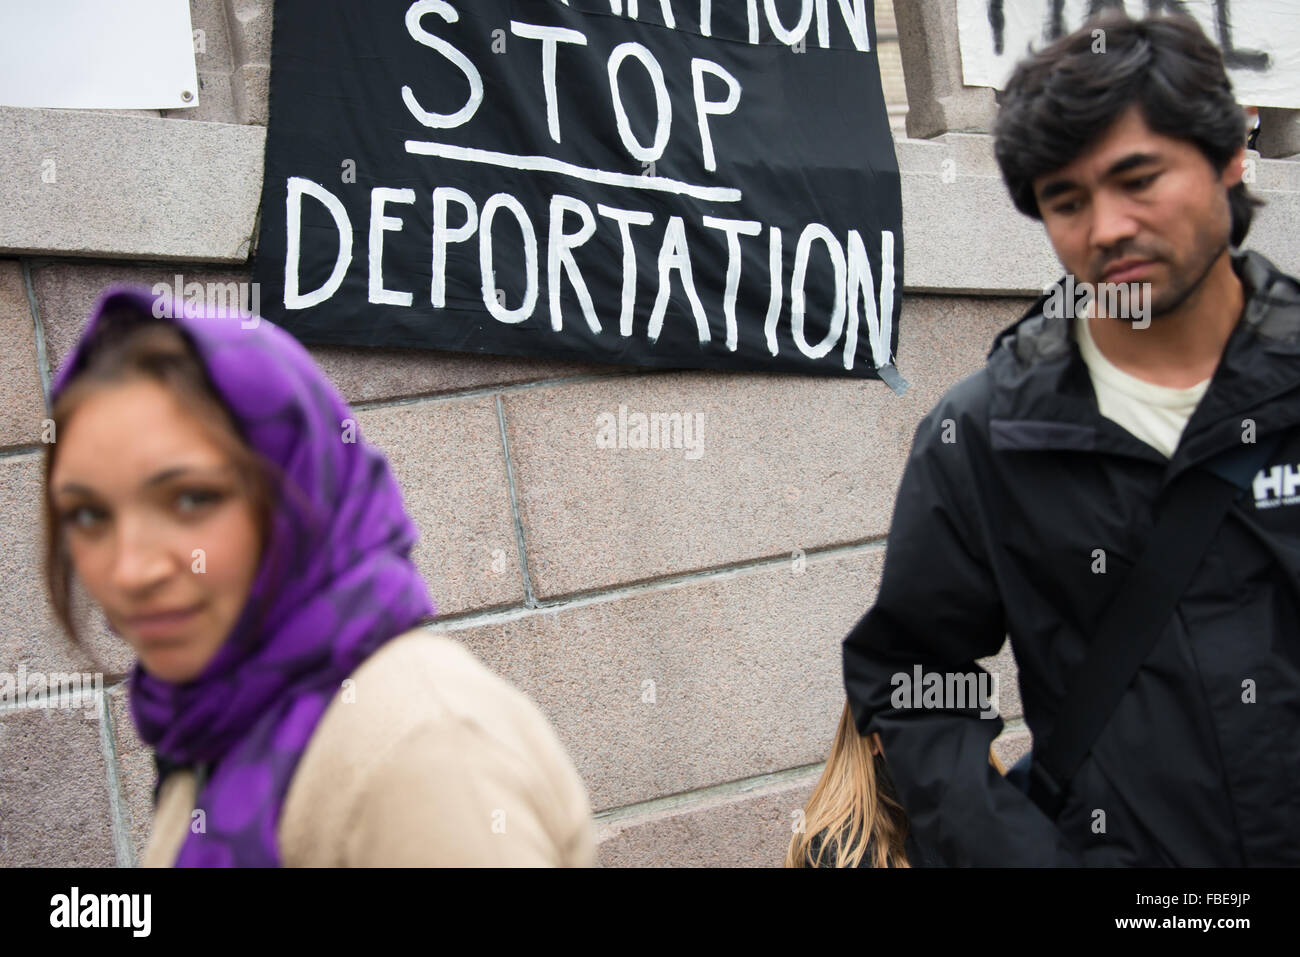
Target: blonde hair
<point>849,812</point>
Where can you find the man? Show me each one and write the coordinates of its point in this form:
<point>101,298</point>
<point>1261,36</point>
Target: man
<point>1032,490</point>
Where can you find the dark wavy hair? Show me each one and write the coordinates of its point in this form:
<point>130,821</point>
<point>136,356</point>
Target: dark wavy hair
<point>1061,99</point>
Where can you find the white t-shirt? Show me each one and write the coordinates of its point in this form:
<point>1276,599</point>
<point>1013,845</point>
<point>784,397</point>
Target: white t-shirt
<point>1156,414</point>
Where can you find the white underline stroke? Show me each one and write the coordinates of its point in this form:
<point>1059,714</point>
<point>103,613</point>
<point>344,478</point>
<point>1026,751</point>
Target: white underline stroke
<point>545,164</point>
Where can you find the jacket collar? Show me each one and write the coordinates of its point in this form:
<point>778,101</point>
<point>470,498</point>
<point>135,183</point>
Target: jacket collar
<point>1043,398</point>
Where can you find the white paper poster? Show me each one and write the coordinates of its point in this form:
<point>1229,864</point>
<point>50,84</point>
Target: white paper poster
<point>97,54</point>
<point>1260,39</point>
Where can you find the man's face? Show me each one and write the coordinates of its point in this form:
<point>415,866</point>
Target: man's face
<point>1139,207</point>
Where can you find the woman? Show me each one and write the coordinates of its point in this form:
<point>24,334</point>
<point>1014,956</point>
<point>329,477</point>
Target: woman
<point>209,489</point>
<point>853,817</point>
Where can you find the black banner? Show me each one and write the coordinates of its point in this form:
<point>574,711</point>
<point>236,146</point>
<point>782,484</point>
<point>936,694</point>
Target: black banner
<point>667,183</point>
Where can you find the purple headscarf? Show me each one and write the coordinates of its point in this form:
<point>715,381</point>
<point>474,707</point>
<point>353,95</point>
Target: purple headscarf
<point>346,584</point>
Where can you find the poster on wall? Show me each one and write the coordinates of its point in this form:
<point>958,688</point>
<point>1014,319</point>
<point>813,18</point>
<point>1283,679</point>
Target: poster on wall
<point>1259,39</point>
<point>92,55</point>
<point>669,183</point>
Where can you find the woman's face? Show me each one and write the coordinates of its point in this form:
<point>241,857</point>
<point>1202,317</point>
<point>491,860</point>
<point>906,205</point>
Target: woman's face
<point>159,529</point>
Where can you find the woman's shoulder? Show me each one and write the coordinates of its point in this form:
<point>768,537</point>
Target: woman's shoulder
<point>436,663</point>
<point>423,679</point>
<point>418,725</point>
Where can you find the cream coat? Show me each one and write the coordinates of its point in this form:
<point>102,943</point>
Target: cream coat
<point>427,759</point>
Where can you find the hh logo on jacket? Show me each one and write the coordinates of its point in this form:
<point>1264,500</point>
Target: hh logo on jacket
<point>1279,485</point>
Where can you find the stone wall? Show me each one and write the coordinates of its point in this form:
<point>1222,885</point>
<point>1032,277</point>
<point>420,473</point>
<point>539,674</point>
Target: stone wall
<point>678,620</point>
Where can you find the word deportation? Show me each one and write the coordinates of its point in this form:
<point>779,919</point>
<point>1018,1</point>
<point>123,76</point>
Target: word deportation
<point>853,296</point>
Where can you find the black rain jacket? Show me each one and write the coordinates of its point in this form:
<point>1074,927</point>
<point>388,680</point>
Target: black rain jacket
<point>995,534</point>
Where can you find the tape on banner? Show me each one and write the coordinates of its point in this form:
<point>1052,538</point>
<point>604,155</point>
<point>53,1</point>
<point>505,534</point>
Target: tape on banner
<point>890,376</point>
